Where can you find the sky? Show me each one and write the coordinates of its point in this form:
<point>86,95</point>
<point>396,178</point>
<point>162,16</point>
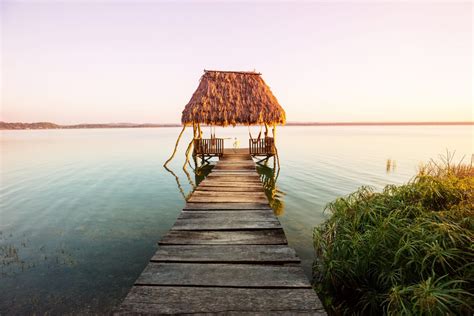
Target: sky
<point>140,61</point>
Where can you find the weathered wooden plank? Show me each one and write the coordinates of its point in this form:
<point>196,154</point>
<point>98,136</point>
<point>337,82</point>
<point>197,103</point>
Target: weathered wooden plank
<point>229,199</point>
<point>221,192</point>
<point>240,163</point>
<point>234,168</point>
<point>230,152</point>
<point>253,175</point>
<point>217,274</point>
<point>223,224</point>
<point>234,177</point>
<point>192,300</point>
<point>235,171</point>
<point>222,173</point>
<point>250,215</point>
<point>244,160</point>
<point>229,188</point>
<point>244,167</point>
<point>217,183</point>
<point>235,165</point>
<point>235,159</point>
<point>230,195</point>
<point>255,237</point>
<point>227,206</point>
<point>239,177</point>
<point>236,155</point>
<point>228,253</point>
<point>235,180</point>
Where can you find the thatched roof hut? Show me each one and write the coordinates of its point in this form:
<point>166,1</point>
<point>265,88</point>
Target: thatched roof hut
<point>233,98</point>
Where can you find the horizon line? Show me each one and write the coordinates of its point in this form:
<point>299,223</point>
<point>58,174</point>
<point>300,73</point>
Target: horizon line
<point>289,123</point>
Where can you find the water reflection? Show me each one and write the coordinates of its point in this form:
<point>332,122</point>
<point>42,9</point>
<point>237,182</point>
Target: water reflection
<point>390,166</point>
<point>200,173</point>
<point>180,187</point>
<point>269,177</point>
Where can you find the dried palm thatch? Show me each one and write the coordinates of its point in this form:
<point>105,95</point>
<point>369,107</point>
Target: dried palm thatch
<point>233,98</point>
<point>230,98</point>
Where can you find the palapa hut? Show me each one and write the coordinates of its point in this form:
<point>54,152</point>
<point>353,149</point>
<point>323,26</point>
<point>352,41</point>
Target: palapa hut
<point>226,98</point>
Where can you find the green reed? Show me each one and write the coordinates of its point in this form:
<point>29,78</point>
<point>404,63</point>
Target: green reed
<point>406,250</point>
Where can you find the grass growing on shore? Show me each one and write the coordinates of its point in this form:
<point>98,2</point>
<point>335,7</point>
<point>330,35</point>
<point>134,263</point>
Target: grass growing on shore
<point>406,250</point>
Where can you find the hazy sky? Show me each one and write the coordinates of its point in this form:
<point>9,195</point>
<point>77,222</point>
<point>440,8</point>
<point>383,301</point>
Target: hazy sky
<point>76,61</point>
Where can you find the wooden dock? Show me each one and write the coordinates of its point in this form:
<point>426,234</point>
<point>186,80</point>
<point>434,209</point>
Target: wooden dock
<point>227,253</point>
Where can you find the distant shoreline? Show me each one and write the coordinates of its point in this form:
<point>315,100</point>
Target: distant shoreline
<point>377,123</point>
<point>49,125</point>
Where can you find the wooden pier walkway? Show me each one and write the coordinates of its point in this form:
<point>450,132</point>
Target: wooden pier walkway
<point>227,253</point>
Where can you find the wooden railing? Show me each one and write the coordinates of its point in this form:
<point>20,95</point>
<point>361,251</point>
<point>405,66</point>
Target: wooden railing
<point>209,146</point>
<point>263,146</point>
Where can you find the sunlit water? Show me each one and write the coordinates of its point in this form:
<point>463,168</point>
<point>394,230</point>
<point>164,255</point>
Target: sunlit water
<point>81,210</point>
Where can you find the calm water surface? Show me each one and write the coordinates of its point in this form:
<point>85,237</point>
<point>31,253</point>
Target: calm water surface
<point>81,210</point>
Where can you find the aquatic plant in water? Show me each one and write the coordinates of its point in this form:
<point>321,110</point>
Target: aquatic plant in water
<point>405,250</point>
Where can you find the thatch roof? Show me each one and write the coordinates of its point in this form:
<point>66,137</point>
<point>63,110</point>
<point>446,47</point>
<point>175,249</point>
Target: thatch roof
<point>233,98</point>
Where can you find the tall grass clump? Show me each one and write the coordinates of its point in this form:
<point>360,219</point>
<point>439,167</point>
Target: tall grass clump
<point>406,250</point>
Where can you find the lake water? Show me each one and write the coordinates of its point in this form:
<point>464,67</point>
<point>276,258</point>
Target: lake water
<point>81,210</point>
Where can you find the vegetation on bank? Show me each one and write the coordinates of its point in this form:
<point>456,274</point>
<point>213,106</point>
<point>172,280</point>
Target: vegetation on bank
<point>49,125</point>
<point>406,250</point>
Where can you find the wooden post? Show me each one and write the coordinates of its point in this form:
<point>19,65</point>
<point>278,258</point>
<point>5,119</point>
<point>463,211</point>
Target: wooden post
<point>187,153</point>
<point>199,131</point>
<point>194,137</point>
<point>196,167</point>
<point>175,146</point>
<point>274,145</point>
<point>190,145</point>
